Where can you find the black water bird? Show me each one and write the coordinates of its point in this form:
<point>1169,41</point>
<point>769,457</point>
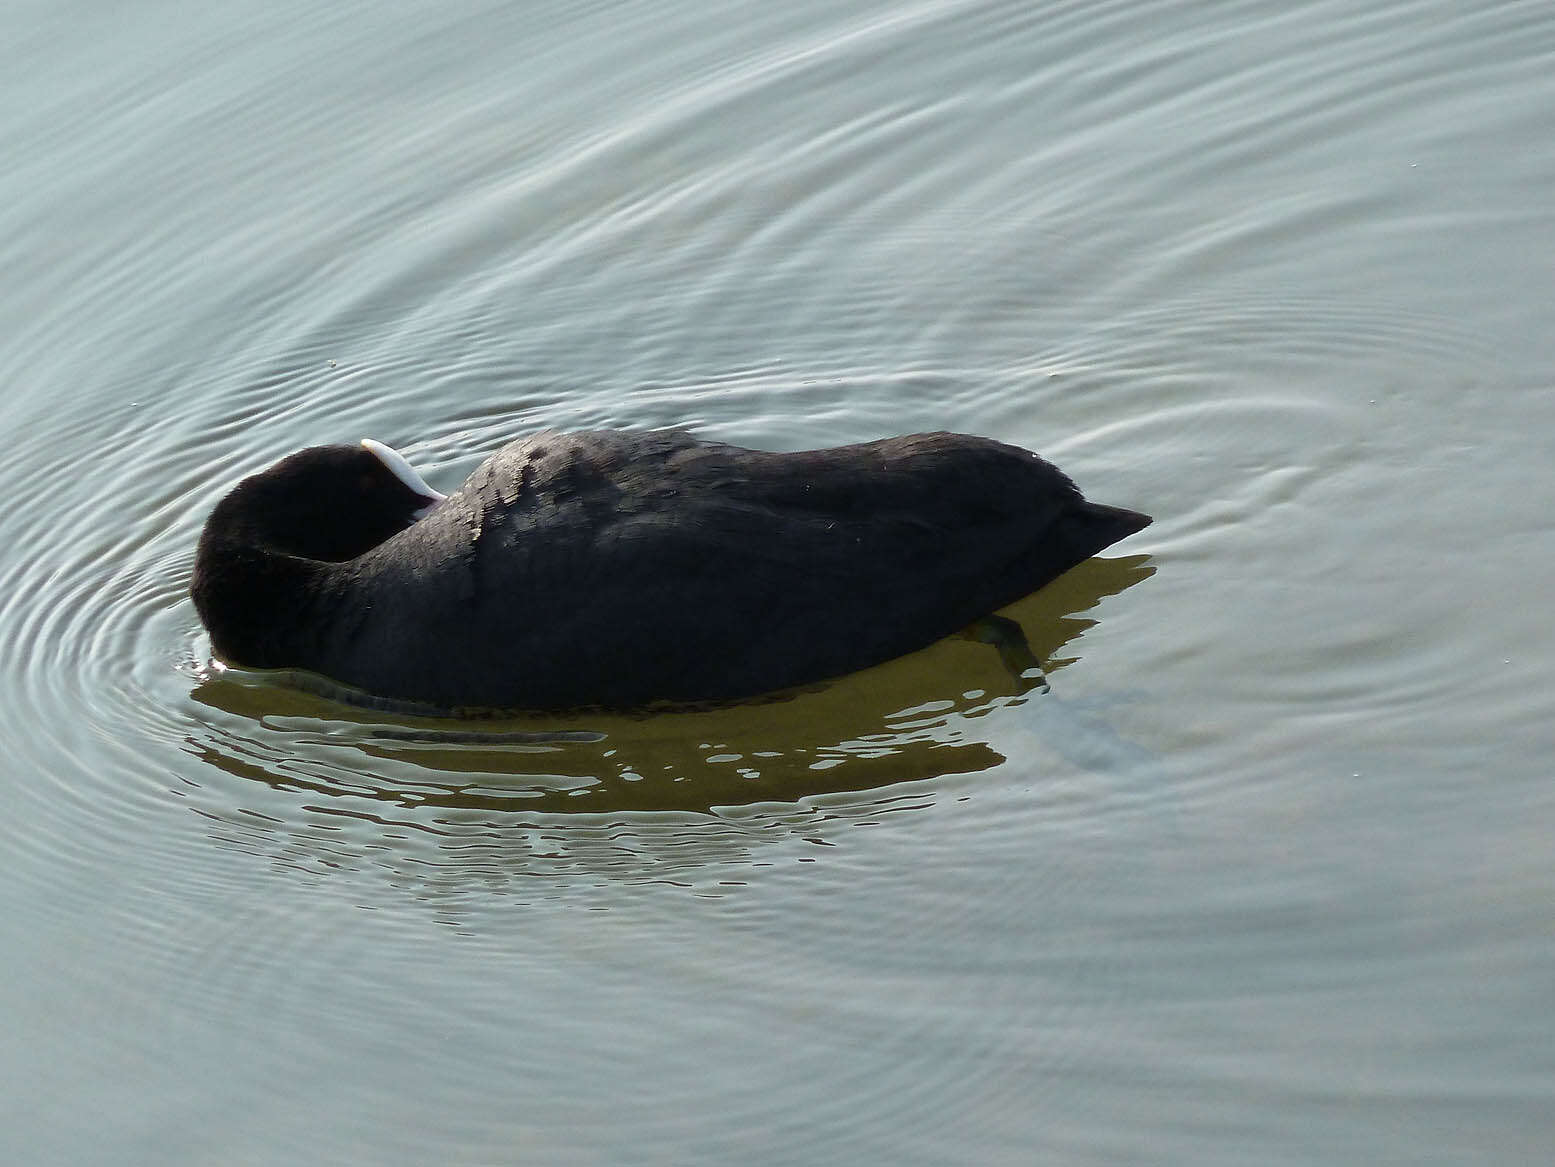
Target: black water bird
<point>620,569</point>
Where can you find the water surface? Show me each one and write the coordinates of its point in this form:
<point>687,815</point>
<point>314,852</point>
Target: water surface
<point>1264,876</point>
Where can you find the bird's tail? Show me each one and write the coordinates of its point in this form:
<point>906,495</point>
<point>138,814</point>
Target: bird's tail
<point>1092,527</point>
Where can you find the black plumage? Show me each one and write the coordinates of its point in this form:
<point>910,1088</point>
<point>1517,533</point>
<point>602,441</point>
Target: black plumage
<point>619,569</point>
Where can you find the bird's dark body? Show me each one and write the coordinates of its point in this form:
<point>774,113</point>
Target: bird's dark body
<point>620,569</point>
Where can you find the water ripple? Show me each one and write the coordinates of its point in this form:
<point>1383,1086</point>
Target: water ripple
<point>96,621</point>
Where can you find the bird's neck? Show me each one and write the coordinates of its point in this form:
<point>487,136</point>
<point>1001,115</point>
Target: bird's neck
<point>265,608</point>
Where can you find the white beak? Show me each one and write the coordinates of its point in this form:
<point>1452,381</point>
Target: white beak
<point>406,473</point>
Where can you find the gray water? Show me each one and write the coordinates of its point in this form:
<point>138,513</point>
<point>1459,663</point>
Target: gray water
<point>1266,876</point>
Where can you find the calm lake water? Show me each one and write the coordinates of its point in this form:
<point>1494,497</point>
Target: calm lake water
<point>1266,877</point>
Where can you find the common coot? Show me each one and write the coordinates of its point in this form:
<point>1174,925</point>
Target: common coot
<point>620,569</point>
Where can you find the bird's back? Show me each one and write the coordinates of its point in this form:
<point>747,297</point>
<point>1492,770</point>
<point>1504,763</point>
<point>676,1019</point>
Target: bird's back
<point>618,568</point>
